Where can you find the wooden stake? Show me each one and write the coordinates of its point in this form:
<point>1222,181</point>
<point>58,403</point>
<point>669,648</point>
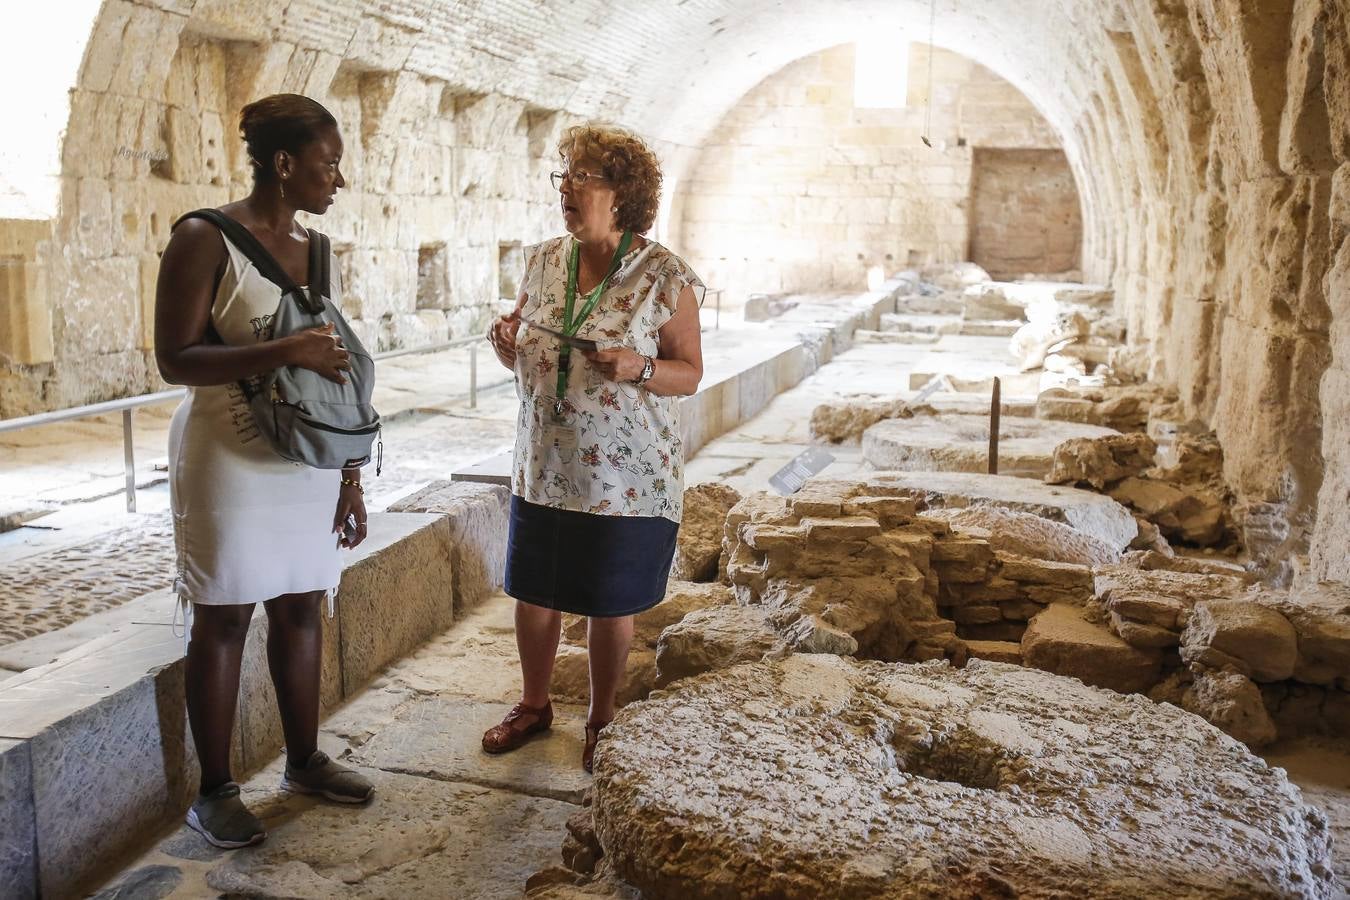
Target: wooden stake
<point>995,407</point>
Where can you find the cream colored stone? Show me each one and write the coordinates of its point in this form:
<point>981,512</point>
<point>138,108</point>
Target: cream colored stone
<point>1061,640</point>
<point>1320,615</point>
<point>996,651</point>
<point>1099,461</point>
<point>1026,534</point>
<point>1095,515</point>
<point>1035,340</point>
<point>715,638</point>
<point>845,422</point>
<point>1233,703</point>
<point>1154,561</point>
<point>1125,408</point>
<point>949,442</point>
<point>691,785</point>
<point>478,518</point>
<point>1253,638</point>
<point>1070,576</point>
<point>1143,635</point>
<point>1195,516</point>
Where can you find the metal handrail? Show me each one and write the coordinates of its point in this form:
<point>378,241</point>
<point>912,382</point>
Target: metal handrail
<point>92,409</point>
<point>717,306</point>
<point>127,405</point>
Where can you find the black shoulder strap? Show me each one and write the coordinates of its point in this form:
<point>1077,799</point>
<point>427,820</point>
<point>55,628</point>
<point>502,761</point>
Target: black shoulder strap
<point>262,260</point>
<point>320,249</point>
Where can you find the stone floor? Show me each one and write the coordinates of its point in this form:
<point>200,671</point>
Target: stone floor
<point>451,821</point>
<point>447,820</point>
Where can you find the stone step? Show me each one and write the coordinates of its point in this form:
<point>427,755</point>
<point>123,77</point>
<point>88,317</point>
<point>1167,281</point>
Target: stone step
<point>992,328</point>
<point>996,651</point>
<point>923,323</point>
<point>864,336</point>
<point>1062,641</point>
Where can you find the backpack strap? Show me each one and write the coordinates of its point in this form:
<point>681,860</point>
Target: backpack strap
<point>262,260</point>
<point>320,264</point>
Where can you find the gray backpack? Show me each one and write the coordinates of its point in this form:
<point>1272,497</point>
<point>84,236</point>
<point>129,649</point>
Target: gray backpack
<point>304,416</point>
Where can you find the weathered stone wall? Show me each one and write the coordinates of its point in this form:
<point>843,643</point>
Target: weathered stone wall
<point>445,183</point>
<point>1024,212</point>
<point>1210,141</point>
<point>797,189</point>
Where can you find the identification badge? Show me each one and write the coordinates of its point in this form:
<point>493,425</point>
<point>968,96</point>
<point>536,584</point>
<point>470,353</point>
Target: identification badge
<point>562,438</point>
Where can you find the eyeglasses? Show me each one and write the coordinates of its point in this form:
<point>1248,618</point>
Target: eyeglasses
<point>579,178</point>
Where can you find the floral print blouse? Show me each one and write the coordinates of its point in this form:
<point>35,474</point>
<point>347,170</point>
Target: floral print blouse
<point>629,458</point>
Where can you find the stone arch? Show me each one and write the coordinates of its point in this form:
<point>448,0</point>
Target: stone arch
<point>1248,127</point>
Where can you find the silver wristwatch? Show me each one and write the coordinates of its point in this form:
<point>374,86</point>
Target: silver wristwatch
<point>648,371</point>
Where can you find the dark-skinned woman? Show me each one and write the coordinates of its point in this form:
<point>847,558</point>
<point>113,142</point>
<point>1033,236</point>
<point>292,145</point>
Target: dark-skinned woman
<point>597,485</point>
<point>249,526</point>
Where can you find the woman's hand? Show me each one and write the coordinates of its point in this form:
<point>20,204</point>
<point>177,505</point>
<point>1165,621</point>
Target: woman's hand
<point>502,337</point>
<point>619,364</point>
<point>351,502</point>
<point>320,350</point>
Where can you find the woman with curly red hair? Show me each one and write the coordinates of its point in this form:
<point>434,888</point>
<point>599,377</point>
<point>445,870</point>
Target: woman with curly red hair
<point>604,338</point>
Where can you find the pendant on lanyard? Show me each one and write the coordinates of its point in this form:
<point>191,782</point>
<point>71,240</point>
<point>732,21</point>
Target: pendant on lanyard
<point>570,324</point>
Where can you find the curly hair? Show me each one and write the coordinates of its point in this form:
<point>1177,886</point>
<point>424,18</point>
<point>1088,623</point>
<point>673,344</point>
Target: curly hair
<point>627,162</point>
<point>280,122</point>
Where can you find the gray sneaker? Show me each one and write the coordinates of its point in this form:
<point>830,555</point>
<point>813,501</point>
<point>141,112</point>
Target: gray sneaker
<point>321,775</point>
<point>223,820</point>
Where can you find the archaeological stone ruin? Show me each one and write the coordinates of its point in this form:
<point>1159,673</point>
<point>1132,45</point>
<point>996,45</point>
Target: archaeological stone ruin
<point>1014,553</point>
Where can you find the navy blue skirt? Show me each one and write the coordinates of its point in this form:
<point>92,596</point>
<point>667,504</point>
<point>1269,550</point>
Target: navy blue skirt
<point>586,564</point>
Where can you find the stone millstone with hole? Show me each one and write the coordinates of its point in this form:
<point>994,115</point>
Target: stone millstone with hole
<point>955,442</point>
<point>818,776</point>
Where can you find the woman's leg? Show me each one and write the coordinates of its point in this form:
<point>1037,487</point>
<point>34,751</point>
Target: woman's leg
<point>537,633</point>
<point>213,656</point>
<point>295,659</point>
<point>608,641</point>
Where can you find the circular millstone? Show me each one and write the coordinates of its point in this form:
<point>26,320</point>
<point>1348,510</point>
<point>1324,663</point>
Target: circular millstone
<point>818,776</point>
<point>956,442</point>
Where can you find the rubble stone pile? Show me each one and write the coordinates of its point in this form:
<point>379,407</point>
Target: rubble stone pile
<point>895,570</point>
<point>1185,500</point>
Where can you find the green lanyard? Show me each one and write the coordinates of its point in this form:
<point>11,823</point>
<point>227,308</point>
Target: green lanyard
<point>570,324</point>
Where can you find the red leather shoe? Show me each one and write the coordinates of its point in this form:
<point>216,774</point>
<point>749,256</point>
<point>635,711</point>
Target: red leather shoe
<point>518,726</point>
<point>593,730</point>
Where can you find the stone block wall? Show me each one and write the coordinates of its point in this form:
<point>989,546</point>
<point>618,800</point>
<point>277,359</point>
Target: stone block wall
<point>1025,214</point>
<point>1209,140</point>
<point>799,190</point>
<point>445,184</point>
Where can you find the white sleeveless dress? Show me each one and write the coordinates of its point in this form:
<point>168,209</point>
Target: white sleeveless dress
<point>248,525</point>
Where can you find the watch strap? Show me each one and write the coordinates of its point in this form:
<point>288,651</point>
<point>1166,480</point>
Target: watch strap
<point>648,370</point>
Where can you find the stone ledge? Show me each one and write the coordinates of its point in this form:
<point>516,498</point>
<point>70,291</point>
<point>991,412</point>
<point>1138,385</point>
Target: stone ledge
<point>18,827</point>
<point>94,747</point>
<point>479,516</point>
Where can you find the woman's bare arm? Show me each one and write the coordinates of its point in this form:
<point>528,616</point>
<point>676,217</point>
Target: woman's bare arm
<point>679,361</point>
<point>188,273</point>
<point>679,365</point>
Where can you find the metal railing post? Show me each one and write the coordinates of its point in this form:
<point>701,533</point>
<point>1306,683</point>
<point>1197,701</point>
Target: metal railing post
<point>129,459</point>
<point>473,375</point>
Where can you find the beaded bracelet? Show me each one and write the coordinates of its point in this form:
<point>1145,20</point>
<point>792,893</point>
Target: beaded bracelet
<point>355,484</point>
